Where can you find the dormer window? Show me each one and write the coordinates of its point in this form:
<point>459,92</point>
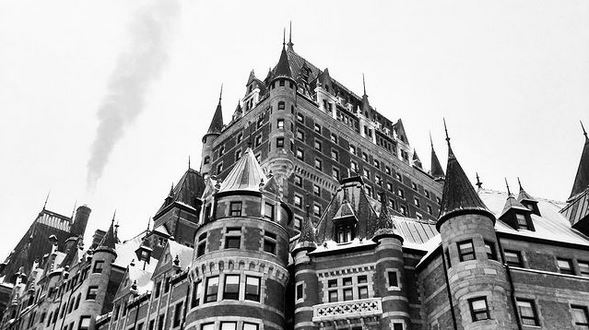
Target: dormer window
<point>344,233</point>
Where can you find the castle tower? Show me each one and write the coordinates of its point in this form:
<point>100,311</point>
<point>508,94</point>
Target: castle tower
<point>283,101</point>
<point>238,274</point>
<point>390,271</point>
<point>77,229</point>
<point>435,168</point>
<point>306,283</point>
<point>477,279</point>
<point>208,139</point>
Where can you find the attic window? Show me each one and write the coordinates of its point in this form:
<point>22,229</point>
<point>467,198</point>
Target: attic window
<point>523,221</point>
<point>344,233</point>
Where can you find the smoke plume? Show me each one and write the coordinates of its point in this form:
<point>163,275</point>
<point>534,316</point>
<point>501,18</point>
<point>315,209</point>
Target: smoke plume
<point>128,84</point>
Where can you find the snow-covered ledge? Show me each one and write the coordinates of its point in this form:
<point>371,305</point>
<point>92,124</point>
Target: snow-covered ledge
<point>352,309</point>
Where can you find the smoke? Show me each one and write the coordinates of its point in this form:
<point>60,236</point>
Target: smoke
<point>129,83</point>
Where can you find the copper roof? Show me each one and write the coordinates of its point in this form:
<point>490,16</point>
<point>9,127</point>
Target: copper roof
<point>187,190</point>
<point>246,175</point>
<point>282,69</point>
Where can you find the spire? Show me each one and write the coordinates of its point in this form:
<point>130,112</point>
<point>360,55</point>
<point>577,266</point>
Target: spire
<point>217,121</point>
<point>436,168</point>
<point>364,84</point>
<point>283,38</point>
<point>290,44</point>
<point>109,239</point>
<point>282,69</point>
<point>459,196</point>
<point>189,162</point>
<point>385,225</point>
<point>582,178</point>
<point>479,184</point>
<point>507,185</point>
<point>523,195</point>
<point>46,199</point>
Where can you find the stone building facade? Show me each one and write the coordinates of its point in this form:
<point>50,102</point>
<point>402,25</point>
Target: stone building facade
<point>311,211</point>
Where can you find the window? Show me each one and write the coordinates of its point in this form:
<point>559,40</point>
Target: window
<point>280,142</point>
<point>235,209</point>
<point>522,222</point>
<point>318,164</point>
<point>92,292</point>
<point>158,288</point>
<point>317,145</point>
<point>399,177</point>
<point>416,202</point>
<point>221,150</point>
<point>269,211</point>
<point>299,291</point>
<point>365,156</point>
<point>376,163</point>
<point>252,288</point>
<point>316,190</point>
<point>300,154</point>
<point>212,289</point>
<point>202,244</point>
<point>362,287</point>
<point>401,193</point>
<point>298,201</point>
<point>281,105</point>
<point>387,170</point>
<point>565,266</point>
<point>196,290</point>
<point>478,309</point>
<point>366,174</point>
<point>513,258</point>
<point>580,316</point>
<point>258,140</point>
<point>98,264</point>
<point>161,321</point>
<point>354,166</point>
<point>317,128</point>
<point>334,155</point>
<point>167,285</point>
<point>490,250</point>
<point>527,311</point>
<point>398,326</point>
<point>239,137</point>
<point>335,173</point>
<point>270,242</point>
<point>344,233</point>
<point>300,135</point>
<point>207,160</point>
<point>448,260</point>
<point>220,168</point>
<point>392,279</point>
<point>151,325</point>
<point>429,209</point>
<point>403,209</point>
<point>231,290</point>
<point>298,180</point>
<point>317,210</point>
<point>352,149</point>
<point>84,323</point>
<point>177,315</point>
<point>300,118</point>
<point>583,268</point>
<point>228,326</point>
<point>414,186</point>
<point>297,222</point>
<point>233,238</point>
<point>333,138</point>
<point>332,294</point>
<point>237,155</point>
<point>466,250</point>
<point>260,122</point>
<point>250,326</point>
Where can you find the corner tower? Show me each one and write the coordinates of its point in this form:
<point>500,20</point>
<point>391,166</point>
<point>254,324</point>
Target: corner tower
<point>238,274</point>
<point>209,138</point>
<point>477,279</point>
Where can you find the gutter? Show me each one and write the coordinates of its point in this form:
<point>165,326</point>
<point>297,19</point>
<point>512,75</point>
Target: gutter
<point>454,322</point>
<point>510,280</point>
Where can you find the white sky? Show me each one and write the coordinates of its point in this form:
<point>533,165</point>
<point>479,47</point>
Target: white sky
<point>511,78</point>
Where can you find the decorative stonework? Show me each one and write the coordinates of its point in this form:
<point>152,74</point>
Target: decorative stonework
<point>218,265</point>
<point>354,309</point>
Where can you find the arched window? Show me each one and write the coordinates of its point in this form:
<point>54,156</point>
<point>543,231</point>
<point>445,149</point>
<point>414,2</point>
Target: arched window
<point>281,105</point>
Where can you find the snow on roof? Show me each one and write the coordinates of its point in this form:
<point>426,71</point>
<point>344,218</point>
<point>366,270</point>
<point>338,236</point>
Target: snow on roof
<point>162,230</point>
<point>183,252</point>
<point>142,276</point>
<point>331,245</point>
<point>126,251</point>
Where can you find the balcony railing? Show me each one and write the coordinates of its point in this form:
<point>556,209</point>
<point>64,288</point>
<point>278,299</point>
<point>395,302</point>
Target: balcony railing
<point>353,309</point>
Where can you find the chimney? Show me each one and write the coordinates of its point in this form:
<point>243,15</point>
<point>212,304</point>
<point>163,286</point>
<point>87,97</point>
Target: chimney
<point>78,227</point>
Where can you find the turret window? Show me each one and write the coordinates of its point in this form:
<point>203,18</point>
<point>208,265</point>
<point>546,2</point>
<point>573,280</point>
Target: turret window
<point>233,238</point>
<point>235,209</point>
<point>252,288</point>
<point>392,280</point>
<point>92,292</point>
<point>281,82</point>
<point>196,290</point>
<point>212,289</point>
<point>280,142</point>
<point>466,250</point>
<point>479,309</point>
<point>280,123</point>
<point>270,242</point>
<point>490,250</point>
<point>344,233</point>
<point>98,264</point>
<point>269,211</point>
<point>231,289</point>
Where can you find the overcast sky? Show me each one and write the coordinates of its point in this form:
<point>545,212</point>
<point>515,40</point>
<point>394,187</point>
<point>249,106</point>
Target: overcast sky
<point>511,78</point>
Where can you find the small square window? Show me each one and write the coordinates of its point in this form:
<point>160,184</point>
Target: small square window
<point>92,292</point>
<point>317,145</point>
<point>235,209</point>
<point>250,326</point>
<point>580,316</point>
<point>513,258</point>
<point>479,309</point>
<point>98,264</point>
<point>565,266</point>
<point>466,250</point>
<point>229,325</point>
<point>317,128</point>
<point>362,292</point>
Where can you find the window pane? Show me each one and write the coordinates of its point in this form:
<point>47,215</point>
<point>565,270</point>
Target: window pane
<point>333,296</point>
<point>393,281</point>
<point>250,326</point>
<point>363,292</point>
<point>231,287</point>
<point>209,326</point>
<point>228,325</point>
<point>212,289</point>
<point>252,288</point>
<point>348,295</point>
<point>565,266</point>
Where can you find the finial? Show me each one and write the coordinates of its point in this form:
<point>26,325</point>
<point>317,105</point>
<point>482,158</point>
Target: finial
<point>507,185</point>
<point>479,183</point>
<point>520,184</point>
<point>148,222</point>
<point>114,215</point>
<point>46,199</point>
<point>221,93</point>
<point>446,130</point>
<point>74,210</point>
<point>283,38</point>
<point>583,128</point>
<point>188,161</point>
<point>290,44</point>
<point>431,142</point>
<point>364,83</point>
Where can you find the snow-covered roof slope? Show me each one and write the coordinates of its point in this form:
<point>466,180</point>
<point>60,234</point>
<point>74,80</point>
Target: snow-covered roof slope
<point>183,252</point>
<point>126,251</point>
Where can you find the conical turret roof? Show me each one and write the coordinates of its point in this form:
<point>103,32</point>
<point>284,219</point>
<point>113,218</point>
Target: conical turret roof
<point>436,168</point>
<point>512,203</point>
<point>523,195</point>
<point>385,225</point>
<point>459,196</point>
<point>582,178</point>
<point>217,121</point>
<point>282,69</point>
<point>246,175</point>
<point>110,239</point>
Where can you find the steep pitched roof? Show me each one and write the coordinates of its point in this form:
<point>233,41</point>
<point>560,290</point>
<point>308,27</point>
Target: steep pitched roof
<point>187,190</point>
<point>282,69</point>
<point>459,196</point>
<point>217,121</point>
<point>512,203</point>
<point>110,239</point>
<point>582,178</point>
<point>246,175</point>
<point>436,169</point>
<point>523,195</point>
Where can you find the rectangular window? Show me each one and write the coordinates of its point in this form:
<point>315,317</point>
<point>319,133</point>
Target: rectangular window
<point>84,323</point>
<point>316,190</point>
<point>208,326</point>
<point>161,321</point>
<point>352,149</point>
<point>299,291</point>
<point>280,142</point>
<point>513,258</point>
<point>300,135</point>
<point>237,155</point>
<point>318,164</point>
<point>196,289</point>
<point>220,168</point>
<point>98,264</point>
<point>202,244</point>
<point>317,145</point>
<point>527,312</point>
<point>167,285</point>
<point>317,128</point>
<point>565,266</point>
<point>580,316</point>
<point>231,290</point>
<point>362,292</point>
<point>269,211</point>
<point>158,287</point>
<point>478,309</point>
<point>270,242</point>
<point>348,294</point>
<point>212,289</point>
<point>298,201</point>
<point>235,209</point>
<point>252,288</point>
<point>228,326</point>
<point>298,181</point>
<point>258,140</point>
<point>177,315</point>
<point>398,326</point>
<point>92,292</point>
<point>393,279</point>
<point>333,138</point>
<point>316,210</point>
<point>332,296</point>
<point>466,250</point>
<point>300,154</point>
<point>354,166</point>
<point>335,173</point>
<point>334,155</point>
<point>280,123</point>
<point>250,326</point>
<point>239,138</point>
<point>300,118</point>
<point>233,238</point>
<point>490,250</point>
